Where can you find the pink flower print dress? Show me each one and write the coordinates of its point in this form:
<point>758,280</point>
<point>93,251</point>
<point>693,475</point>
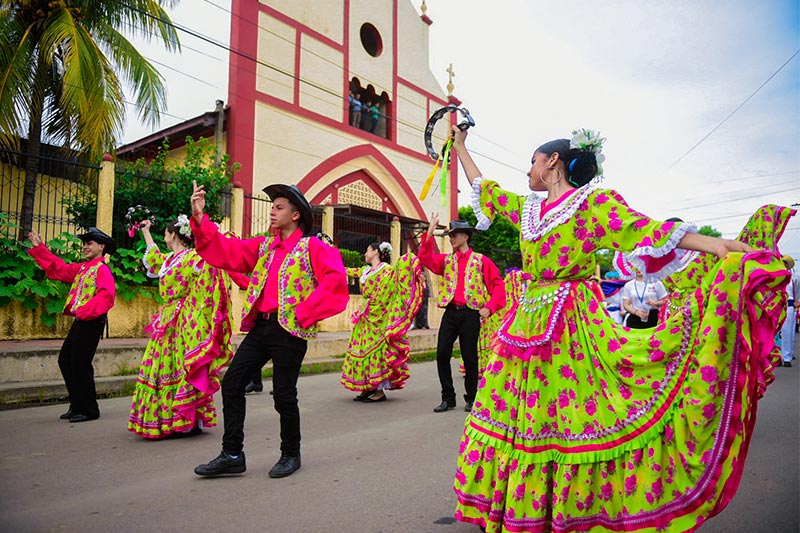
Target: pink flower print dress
<point>189,346</point>
<point>377,356</point>
<point>581,424</point>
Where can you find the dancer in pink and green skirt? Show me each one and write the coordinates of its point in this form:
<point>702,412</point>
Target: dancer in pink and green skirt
<point>581,424</point>
<point>189,340</point>
<point>377,356</point>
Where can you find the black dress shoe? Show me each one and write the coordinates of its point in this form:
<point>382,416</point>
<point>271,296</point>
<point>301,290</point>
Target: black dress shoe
<point>66,416</point>
<point>222,464</point>
<point>253,387</point>
<point>468,407</point>
<point>787,363</point>
<point>78,417</point>
<point>286,466</point>
<point>444,406</point>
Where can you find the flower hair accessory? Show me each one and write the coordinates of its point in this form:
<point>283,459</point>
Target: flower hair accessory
<point>134,217</point>
<point>385,247</point>
<point>589,141</point>
<point>183,225</point>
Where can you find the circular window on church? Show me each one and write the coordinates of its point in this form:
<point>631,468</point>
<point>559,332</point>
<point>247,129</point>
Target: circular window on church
<point>371,39</point>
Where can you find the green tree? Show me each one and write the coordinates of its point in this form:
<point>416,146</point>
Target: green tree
<point>62,68</point>
<point>710,231</point>
<point>500,242</point>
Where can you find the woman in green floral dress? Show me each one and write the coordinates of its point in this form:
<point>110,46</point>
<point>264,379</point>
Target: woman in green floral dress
<point>581,424</point>
<point>377,357</point>
<point>189,340</point>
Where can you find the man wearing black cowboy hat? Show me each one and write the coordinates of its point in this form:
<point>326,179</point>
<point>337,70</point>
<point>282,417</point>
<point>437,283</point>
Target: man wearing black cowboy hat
<point>470,290</point>
<point>90,298</point>
<point>296,281</point>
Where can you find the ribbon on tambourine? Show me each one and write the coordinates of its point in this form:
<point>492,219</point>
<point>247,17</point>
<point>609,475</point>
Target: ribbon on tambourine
<point>442,157</point>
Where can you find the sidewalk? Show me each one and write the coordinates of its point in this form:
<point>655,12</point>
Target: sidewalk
<point>29,369</point>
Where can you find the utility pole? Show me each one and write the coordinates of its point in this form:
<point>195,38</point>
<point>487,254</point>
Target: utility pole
<point>220,110</point>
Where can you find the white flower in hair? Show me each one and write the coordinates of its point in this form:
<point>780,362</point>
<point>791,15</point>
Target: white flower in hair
<point>183,225</point>
<point>589,141</point>
<point>385,247</point>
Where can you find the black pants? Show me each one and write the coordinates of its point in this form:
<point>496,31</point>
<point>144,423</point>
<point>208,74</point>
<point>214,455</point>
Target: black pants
<point>634,322</point>
<point>267,340</point>
<point>464,325</point>
<point>75,363</point>
<point>421,318</point>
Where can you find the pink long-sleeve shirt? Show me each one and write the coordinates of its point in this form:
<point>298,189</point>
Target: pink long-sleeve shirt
<point>241,255</point>
<point>491,276</point>
<point>56,268</point>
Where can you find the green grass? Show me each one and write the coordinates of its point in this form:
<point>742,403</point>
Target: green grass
<point>123,370</point>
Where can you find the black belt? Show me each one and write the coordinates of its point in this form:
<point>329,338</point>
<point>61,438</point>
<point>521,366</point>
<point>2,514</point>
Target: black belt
<point>267,316</point>
<point>458,307</point>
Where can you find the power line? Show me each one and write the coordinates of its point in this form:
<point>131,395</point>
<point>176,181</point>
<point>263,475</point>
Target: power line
<point>755,177</point>
<point>715,128</point>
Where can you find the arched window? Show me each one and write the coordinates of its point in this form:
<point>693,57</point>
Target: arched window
<point>369,111</point>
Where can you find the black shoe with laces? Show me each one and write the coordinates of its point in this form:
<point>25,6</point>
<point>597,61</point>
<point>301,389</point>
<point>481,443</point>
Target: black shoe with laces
<point>286,466</point>
<point>222,464</point>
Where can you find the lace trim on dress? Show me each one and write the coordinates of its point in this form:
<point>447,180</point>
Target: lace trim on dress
<point>147,265</point>
<point>368,273</point>
<point>533,228</point>
<point>475,199</point>
<point>172,260</point>
<point>683,258</point>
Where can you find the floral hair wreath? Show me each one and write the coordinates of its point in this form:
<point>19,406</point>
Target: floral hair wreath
<point>385,247</point>
<point>135,216</point>
<point>183,226</point>
<point>589,141</point>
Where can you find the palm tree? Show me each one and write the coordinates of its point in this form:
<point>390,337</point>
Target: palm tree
<point>62,68</point>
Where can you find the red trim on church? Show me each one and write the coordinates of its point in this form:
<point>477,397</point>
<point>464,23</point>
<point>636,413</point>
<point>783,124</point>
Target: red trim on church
<point>347,155</point>
<point>243,95</point>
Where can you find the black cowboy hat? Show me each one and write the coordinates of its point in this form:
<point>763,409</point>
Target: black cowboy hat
<point>462,226</point>
<point>293,194</point>
<point>100,237</point>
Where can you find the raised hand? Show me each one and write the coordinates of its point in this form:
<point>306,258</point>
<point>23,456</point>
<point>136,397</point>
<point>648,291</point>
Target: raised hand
<point>198,201</point>
<point>35,238</point>
<point>144,225</point>
<point>433,223</point>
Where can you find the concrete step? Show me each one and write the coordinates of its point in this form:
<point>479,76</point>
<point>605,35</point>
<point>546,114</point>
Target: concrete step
<point>29,369</point>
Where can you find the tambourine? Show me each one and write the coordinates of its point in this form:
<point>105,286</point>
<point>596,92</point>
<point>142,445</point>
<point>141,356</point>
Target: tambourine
<point>134,217</point>
<point>465,124</point>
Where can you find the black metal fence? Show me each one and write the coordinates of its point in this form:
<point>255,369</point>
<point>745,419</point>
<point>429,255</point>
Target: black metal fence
<point>59,183</point>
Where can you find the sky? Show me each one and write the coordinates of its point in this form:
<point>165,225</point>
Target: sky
<point>675,87</point>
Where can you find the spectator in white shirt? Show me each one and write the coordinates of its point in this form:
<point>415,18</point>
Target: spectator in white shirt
<point>642,300</point>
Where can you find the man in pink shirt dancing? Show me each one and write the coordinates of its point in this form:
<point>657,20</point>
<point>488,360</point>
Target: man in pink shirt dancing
<point>295,282</point>
<point>90,298</point>
<point>470,290</point>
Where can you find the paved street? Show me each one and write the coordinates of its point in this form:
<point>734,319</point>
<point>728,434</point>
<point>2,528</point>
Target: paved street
<point>384,467</point>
